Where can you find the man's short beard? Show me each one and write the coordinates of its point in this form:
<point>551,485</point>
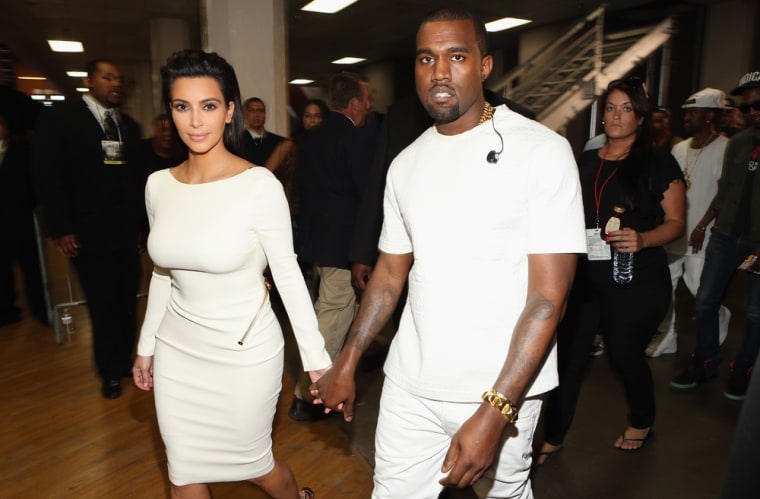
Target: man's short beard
<point>443,114</point>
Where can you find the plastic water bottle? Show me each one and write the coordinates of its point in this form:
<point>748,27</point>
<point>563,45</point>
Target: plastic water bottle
<point>622,267</point>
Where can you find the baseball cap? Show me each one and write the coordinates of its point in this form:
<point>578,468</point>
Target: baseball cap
<point>708,98</point>
<point>749,80</point>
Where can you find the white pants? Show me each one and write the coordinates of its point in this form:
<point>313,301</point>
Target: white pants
<point>412,438</point>
<point>688,267</point>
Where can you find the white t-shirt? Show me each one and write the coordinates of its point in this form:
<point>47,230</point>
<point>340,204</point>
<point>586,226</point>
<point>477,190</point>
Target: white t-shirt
<point>471,226</point>
<point>702,168</point>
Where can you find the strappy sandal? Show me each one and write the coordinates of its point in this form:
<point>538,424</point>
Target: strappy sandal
<point>641,441</point>
<point>307,493</point>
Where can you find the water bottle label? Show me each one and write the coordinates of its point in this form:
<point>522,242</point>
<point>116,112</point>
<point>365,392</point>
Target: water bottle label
<point>597,248</point>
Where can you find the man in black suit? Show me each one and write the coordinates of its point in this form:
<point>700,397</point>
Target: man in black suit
<point>18,239</point>
<point>89,181</point>
<point>258,143</point>
<point>333,160</point>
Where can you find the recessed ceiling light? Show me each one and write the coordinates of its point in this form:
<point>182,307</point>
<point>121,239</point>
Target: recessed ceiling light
<point>83,89</point>
<point>77,74</point>
<point>505,23</point>
<point>31,78</point>
<point>348,60</point>
<point>300,81</point>
<point>327,6</point>
<point>65,46</point>
<point>57,97</point>
<point>38,97</point>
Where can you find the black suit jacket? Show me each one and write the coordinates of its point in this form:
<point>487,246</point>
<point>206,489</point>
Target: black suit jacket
<point>16,194</point>
<point>333,160</point>
<point>258,150</point>
<point>101,204</point>
<point>404,122</point>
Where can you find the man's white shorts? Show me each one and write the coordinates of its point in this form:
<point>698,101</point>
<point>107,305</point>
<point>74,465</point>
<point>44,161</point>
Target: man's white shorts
<point>412,438</point>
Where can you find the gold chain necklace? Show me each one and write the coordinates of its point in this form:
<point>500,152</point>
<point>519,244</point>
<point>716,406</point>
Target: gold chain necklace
<point>487,113</point>
<point>689,166</point>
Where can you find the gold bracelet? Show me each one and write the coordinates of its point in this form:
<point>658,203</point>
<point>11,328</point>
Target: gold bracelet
<point>502,404</point>
<point>700,228</point>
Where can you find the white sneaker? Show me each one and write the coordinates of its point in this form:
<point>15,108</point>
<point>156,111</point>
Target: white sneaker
<point>662,343</point>
<point>724,317</point>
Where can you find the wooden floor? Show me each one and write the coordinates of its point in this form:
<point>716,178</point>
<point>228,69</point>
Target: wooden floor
<point>59,438</point>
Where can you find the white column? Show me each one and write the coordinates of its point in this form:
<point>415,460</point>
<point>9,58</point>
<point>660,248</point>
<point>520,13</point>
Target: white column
<point>250,34</point>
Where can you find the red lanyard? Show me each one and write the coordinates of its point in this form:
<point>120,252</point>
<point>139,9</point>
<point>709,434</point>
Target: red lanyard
<point>598,190</point>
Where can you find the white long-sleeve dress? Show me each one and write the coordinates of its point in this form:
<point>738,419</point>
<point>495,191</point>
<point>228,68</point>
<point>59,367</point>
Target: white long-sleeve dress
<point>210,243</point>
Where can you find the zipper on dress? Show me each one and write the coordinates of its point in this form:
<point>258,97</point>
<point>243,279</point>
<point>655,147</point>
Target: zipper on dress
<point>267,286</point>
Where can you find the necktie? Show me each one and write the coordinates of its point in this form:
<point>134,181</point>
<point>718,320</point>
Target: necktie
<point>109,126</point>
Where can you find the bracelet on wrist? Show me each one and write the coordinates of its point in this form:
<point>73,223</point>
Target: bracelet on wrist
<point>502,404</point>
<point>700,228</point>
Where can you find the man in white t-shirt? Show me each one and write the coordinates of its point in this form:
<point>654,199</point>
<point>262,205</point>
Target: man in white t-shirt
<point>483,214</point>
<point>701,160</point>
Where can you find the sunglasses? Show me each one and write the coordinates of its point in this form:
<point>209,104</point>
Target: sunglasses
<point>744,108</point>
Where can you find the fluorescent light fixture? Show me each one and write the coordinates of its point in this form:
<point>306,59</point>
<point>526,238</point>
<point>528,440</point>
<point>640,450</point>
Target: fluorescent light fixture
<point>300,81</point>
<point>57,97</point>
<point>77,74</point>
<point>505,23</point>
<point>327,6</point>
<point>348,60</point>
<point>83,89</point>
<point>31,78</point>
<point>47,103</point>
<point>65,46</point>
<point>38,97</point>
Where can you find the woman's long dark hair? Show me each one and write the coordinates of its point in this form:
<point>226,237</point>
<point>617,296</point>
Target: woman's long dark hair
<point>638,164</point>
<point>195,64</point>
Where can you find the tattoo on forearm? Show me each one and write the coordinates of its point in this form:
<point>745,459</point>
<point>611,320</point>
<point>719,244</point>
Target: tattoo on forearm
<point>530,341</point>
<point>375,310</point>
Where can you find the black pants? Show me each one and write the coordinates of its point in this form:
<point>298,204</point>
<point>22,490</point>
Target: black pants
<point>109,281</point>
<point>627,316</point>
<point>24,252</point>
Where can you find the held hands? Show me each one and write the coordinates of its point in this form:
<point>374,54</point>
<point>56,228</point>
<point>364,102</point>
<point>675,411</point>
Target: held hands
<point>142,372</point>
<point>625,240</point>
<point>336,390</point>
<point>473,447</point>
<point>314,376</point>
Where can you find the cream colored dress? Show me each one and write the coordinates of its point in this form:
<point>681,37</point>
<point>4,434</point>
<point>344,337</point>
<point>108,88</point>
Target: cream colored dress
<point>215,399</point>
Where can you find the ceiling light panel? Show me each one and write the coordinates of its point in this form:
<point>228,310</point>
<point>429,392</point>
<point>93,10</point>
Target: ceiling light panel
<point>348,60</point>
<point>505,23</point>
<point>65,46</point>
<point>327,6</point>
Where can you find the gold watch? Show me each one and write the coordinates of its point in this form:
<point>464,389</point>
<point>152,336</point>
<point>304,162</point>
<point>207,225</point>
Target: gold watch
<point>502,404</point>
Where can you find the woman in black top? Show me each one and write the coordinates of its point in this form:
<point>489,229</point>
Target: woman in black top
<point>627,171</point>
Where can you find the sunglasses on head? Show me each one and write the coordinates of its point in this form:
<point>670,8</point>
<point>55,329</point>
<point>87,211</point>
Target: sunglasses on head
<point>744,108</point>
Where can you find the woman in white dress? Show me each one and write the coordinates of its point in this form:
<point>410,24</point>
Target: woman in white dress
<point>210,344</point>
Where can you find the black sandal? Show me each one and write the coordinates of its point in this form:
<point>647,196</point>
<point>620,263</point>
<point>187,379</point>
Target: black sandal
<point>307,493</point>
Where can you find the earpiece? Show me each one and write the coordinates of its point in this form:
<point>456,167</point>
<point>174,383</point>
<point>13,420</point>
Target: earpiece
<point>493,156</point>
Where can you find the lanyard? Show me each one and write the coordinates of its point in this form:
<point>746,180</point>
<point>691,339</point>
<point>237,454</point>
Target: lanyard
<point>598,190</point>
